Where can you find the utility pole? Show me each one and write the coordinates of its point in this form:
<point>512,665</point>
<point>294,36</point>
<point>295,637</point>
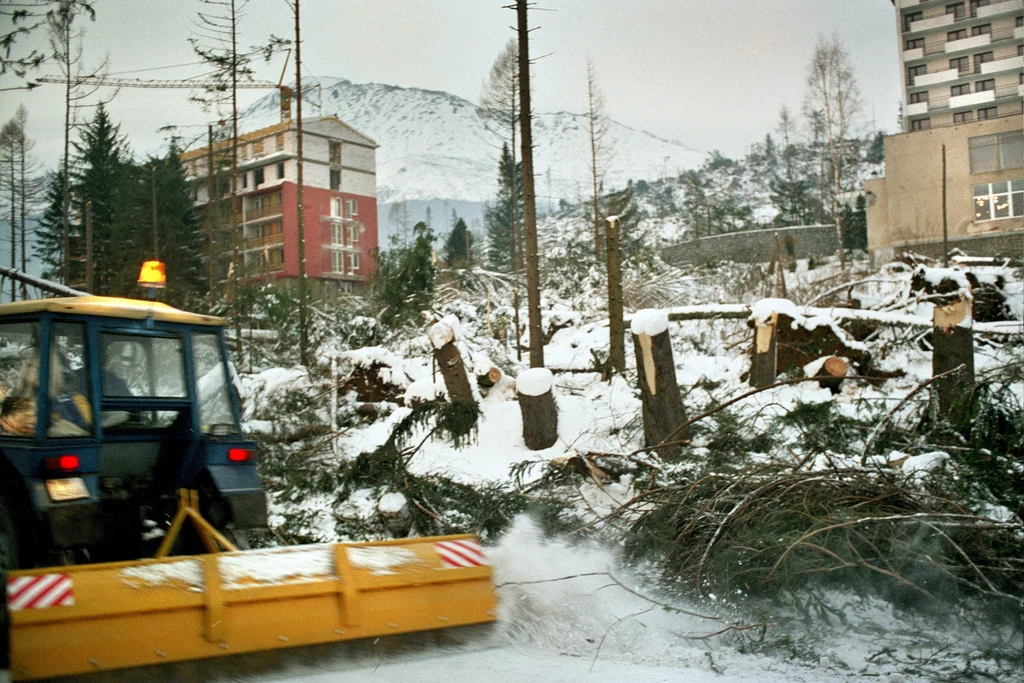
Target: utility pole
<point>301,235</point>
<point>529,195</point>
<point>945,225</point>
<point>89,270</point>
<point>156,244</point>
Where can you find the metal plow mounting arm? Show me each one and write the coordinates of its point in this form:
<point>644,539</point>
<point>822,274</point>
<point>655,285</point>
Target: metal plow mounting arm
<point>89,618</point>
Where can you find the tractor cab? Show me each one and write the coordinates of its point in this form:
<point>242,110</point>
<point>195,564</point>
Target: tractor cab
<point>108,407</point>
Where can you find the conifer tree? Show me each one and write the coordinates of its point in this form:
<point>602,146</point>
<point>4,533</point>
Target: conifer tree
<point>404,282</point>
<point>98,178</point>
<point>500,217</point>
<point>456,247</point>
<point>49,243</point>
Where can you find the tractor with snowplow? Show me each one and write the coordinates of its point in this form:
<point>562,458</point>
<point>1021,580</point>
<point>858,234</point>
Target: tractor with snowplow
<point>120,423</point>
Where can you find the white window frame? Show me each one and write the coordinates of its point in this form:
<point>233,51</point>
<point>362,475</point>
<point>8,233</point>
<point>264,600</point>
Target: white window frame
<point>987,202</point>
<point>353,260</point>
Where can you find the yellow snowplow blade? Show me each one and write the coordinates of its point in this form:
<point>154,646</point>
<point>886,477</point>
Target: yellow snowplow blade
<point>88,618</point>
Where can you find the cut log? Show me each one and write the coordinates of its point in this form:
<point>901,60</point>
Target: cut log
<point>832,374</point>
<point>663,410</point>
<point>449,362</point>
<point>489,378</point>
<point>538,408</point>
<point>952,347</point>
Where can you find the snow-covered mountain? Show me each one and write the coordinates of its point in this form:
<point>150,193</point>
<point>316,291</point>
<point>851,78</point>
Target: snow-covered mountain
<point>435,146</point>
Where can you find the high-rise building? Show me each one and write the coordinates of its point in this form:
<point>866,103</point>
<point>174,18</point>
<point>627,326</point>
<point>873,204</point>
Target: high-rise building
<point>962,69</point>
<point>339,204</point>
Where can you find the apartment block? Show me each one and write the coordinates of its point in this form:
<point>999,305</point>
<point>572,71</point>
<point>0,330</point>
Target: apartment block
<point>960,61</point>
<point>339,203</point>
<point>954,178</point>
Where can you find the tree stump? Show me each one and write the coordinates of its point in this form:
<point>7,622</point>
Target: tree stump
<point>537,406</point>
<point>763,361</point>
<point>449,361</point>
<point>663,410</point>
<point>953,346</point>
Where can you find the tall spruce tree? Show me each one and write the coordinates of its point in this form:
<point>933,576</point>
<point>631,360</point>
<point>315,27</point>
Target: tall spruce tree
<point>500,217</point>
<point>98,176</point>
<point>49,243</point>
<point>456,247</point>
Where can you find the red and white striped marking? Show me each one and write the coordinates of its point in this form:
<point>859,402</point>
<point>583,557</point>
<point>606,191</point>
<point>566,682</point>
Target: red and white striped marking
<point>38,592</point>
<point>466,553</point>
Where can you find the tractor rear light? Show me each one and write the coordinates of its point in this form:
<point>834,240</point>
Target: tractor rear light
<point>61,463</point>
<point>240,454</point>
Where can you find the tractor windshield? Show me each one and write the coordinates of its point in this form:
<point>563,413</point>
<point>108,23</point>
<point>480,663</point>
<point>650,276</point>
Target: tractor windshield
<point>19,378</point>
<point>212,389</point>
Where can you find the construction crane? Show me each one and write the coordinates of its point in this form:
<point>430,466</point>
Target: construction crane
<point>187,84</point>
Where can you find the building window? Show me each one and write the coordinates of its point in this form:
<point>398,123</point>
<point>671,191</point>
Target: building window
<point>351,207</point>
<point>915,43</point>
<point>245,180</point>
<point>975,4</point>
<point>335,179</point>
<point>984,29</point>
<point>257,148</point>
<point>335,153</point>
<point>993,201</point>
<point>338,261</point>
<point>337,234</point>
<point>336,207</point>
<point>1020,20</point>
<point>920,124</point>
<point>963,89</point>
<point>987,113</point>
<point>1020,49</point>
<point>919,97</point>
<point>956,35</point>
<point>909,18</point>
<point>985,86</point>
<point>999,152</point>
<point>279,142</point>
<point>257,177</point>
<point>916,71</point>
<point>962,64</point>
<point>353,234</point>
<point>980,59</point>
<point>956,9</point>
<point>962,117</point>
<point>280,171</point>
<point>353,261</point>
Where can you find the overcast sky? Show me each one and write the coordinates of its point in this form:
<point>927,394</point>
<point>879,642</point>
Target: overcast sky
<point>709,73</point>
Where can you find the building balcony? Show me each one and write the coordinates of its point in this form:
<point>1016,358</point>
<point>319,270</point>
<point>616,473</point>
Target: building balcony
<point>911,55</point>
<point>1018,33</point>
<point>997,9</point>
<point>972,43</point>
<point>932,23</point>
<point>972,99</point>
<point>251,243</point>
<point>936,77</point>
<point>916,109</point>
<point>1000,65</point>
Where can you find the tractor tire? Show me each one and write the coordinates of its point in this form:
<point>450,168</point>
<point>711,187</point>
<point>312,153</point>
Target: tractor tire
<point>8,561</point>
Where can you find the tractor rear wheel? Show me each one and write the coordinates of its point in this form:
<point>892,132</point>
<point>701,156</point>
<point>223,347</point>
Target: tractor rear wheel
<point>8,561</point>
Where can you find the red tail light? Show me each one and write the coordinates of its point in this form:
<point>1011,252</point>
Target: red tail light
<point>61,463</point>
<point>240,454</point>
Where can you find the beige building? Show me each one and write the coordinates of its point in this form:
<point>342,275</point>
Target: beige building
<point>962,66</point>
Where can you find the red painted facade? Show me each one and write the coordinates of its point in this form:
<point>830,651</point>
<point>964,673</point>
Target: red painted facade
<point>318,235</point>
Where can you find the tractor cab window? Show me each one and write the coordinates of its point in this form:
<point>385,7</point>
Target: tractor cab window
<point>140,366</point>
<point>19,378</point>
<point>70,412</point>
<point>212,388</point>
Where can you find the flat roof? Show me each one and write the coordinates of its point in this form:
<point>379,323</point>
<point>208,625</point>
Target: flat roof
<point>113,307</point>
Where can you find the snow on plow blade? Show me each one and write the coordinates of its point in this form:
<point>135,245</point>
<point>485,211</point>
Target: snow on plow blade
<point>89,618</point>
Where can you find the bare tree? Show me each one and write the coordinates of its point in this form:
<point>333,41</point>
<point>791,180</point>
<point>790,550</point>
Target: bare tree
<point>500,103</point>
<point>600,152</point>
<point>832,90</point>
<point>216,43</point>
<point>66,46</point>
<point>20,185</point>
<point>26,17</point>
<point>529,194</point>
